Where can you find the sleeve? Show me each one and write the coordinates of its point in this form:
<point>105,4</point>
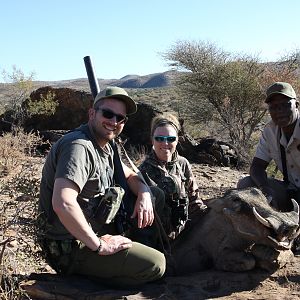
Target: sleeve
<point>73,163</point>
<point>190,185</point>
<point>263,147</point>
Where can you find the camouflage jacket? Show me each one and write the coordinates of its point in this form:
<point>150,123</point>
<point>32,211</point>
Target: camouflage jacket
<point>175,178</point>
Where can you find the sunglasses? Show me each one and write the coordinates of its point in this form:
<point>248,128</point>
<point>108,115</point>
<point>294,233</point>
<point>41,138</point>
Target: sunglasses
<point>168,139</point>
<point>108,114</point>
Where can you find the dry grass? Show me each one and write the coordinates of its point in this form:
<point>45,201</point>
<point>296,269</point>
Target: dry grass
<point>19,188</point>
<point>15,148</point>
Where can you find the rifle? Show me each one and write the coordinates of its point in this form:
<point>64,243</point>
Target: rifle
<point>119,176</point>
<point>93,82</point>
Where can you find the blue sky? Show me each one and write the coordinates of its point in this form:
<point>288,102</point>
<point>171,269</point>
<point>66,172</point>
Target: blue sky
<point>125,37</point>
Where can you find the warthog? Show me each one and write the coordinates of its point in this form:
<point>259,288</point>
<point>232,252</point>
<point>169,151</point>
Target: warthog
<point>239,231</point>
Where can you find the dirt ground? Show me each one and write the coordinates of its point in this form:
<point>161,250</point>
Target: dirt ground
<point>210,284</point>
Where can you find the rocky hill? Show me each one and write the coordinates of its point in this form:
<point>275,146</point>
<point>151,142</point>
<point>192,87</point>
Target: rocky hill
<point>156,80</point>
<point>151,81</point>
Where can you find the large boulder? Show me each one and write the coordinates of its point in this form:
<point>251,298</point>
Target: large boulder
<point>72,109</point>
<point>137,129</point>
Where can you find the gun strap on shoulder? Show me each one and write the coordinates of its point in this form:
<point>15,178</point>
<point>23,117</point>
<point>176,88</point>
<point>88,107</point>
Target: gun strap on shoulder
<point>137,171</point>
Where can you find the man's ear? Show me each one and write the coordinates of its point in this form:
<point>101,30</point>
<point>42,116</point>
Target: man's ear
<point>91,113</point>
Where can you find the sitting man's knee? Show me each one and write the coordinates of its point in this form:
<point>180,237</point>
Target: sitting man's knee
<point>159,266</point>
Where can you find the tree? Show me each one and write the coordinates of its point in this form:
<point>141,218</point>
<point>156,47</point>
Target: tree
<point>21,86</point>
<point>222,87</point>
<point>286,68</point>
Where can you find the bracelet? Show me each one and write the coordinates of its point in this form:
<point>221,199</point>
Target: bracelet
<point>98,250</point>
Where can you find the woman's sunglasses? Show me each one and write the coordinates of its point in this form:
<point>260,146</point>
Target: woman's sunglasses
<point>168,138</point>
<point>108,114</point>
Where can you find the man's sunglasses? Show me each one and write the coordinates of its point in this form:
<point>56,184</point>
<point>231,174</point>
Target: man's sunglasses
<point>168,139</point>
<point>108,114</point>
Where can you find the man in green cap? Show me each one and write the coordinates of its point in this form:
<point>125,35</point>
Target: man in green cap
<point>280,142</point>
<point>78,181</point>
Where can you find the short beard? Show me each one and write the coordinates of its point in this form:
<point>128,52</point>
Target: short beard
<point>99,136</point>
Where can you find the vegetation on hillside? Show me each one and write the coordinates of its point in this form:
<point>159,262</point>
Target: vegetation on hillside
<point>226,90</point>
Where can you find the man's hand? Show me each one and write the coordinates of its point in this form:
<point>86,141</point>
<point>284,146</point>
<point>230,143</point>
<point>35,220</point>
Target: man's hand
<point>270,195</point>
<point>143,210</point>
<point>268,192</point>
<point>114,243</point>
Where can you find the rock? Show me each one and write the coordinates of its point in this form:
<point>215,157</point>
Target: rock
<point>72,109</point>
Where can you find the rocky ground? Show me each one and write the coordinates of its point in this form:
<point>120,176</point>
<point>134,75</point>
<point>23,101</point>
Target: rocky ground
<point>210,284</point>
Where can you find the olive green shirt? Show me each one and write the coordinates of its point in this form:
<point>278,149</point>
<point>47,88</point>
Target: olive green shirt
<point>77,157</point>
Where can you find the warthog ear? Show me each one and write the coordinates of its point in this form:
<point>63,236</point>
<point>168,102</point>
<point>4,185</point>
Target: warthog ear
<point>219,204</point>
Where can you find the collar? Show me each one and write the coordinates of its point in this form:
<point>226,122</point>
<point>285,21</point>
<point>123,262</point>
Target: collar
<point>153,160</point>
<point>90,135</point>
<point>295,135</point>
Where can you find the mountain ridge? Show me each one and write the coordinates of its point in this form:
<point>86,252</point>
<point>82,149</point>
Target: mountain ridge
<point>155,80</point>
<point>148,82</point>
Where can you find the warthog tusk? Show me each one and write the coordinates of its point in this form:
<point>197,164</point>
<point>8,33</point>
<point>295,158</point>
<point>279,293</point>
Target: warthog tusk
<point>296,206</point>
<point>261,219</point>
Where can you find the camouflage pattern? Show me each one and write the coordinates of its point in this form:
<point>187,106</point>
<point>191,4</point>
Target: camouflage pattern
<point>59,253</point>
<point>109,205</point>
<point>176,179</point>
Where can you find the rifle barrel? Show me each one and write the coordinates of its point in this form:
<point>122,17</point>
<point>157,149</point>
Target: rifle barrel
<point>93,81</point>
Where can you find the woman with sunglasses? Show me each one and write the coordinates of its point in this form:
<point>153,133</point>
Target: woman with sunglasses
<point>165,168</point>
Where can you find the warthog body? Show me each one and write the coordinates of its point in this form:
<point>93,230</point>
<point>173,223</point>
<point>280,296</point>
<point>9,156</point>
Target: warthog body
<point>239,231</point>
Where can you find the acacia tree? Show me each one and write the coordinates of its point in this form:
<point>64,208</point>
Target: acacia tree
<point>286,68</point>
<point>20,87</point>
<point>221,86</point>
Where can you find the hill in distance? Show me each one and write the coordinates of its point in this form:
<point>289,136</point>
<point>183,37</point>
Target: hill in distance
<point>156,80</point>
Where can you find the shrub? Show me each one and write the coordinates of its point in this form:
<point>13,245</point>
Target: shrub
<point>15,148</point>
<point>45,106</point>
